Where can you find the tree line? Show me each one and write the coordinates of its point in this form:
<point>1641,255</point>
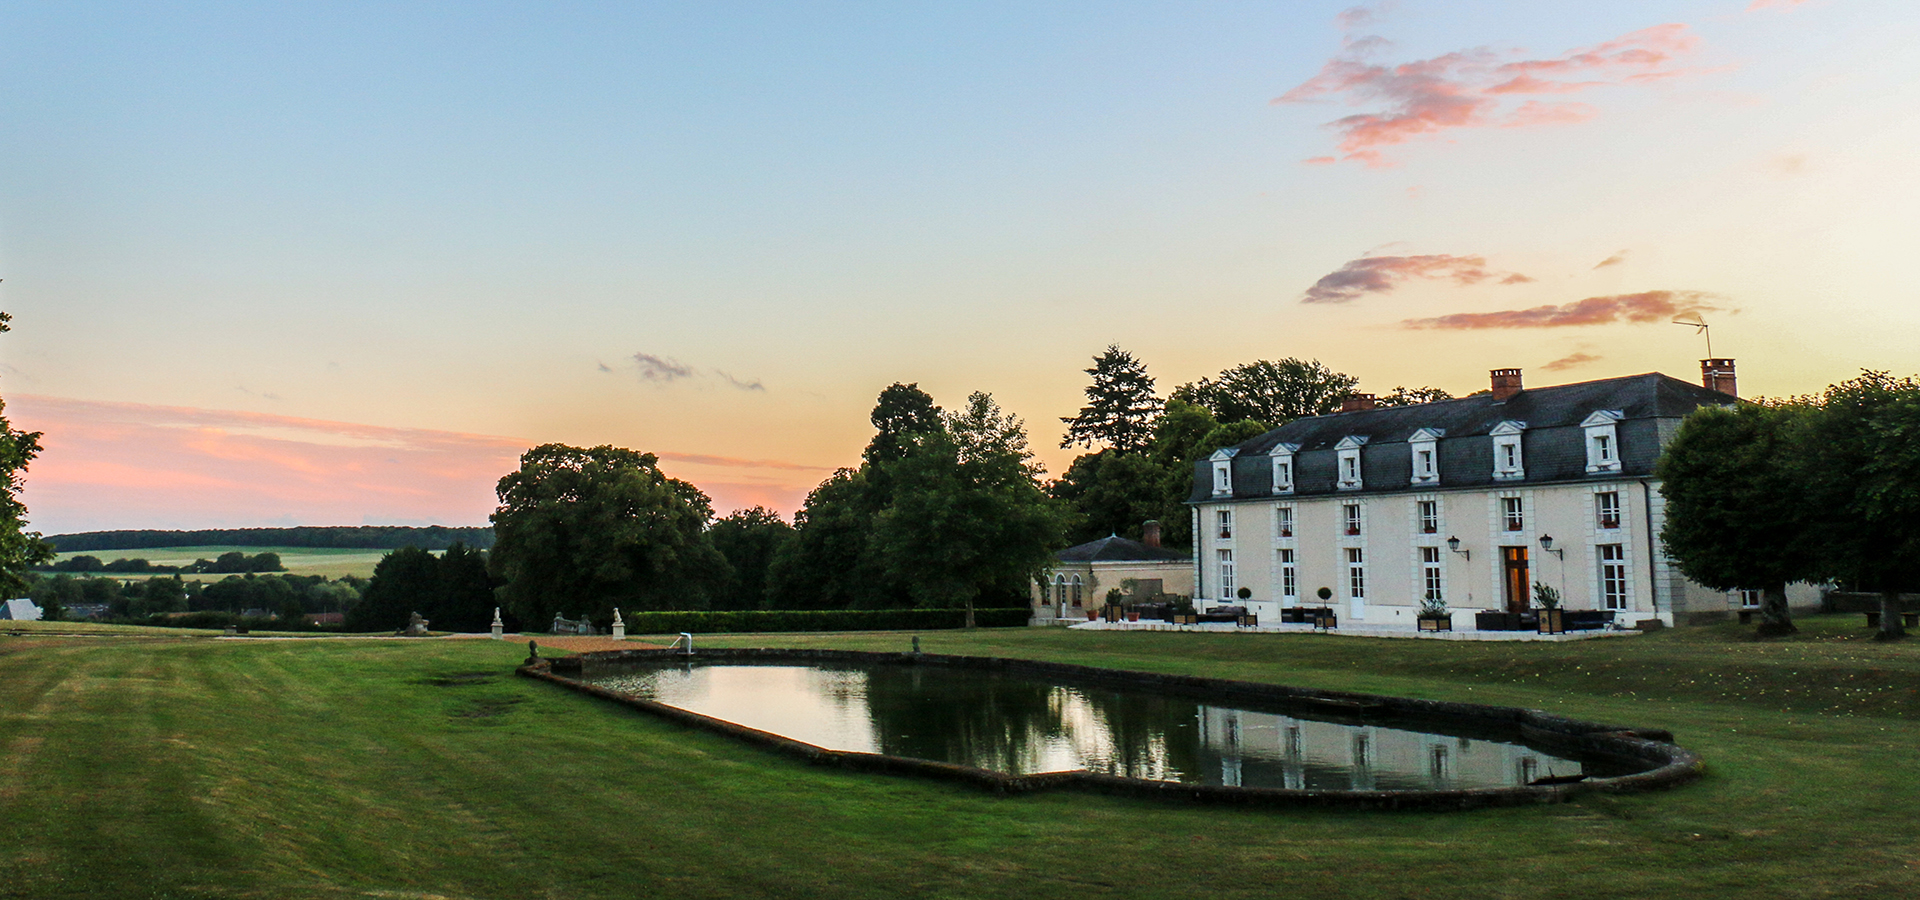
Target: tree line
<point>287,597</point>
<point>340,537</point>
<point>1817,488</point>
<point>231,562</point>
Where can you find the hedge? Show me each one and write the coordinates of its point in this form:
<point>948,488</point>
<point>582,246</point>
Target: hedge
<point>751,621</point>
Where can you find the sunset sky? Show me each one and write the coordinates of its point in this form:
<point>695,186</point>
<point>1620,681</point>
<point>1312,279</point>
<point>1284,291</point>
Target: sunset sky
<point>341,263</point>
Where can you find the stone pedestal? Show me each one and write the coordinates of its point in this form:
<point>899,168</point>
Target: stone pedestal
<point>619,627</point>
<point>498,627</point>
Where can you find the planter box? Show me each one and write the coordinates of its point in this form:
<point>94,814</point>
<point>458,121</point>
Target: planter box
<point>1552,621</point>
<point>1435,623</point>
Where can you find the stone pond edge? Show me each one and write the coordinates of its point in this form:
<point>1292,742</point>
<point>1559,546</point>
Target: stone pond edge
<point>1670,765</point>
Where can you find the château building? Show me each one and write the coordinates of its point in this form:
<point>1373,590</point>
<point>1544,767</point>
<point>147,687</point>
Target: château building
<point>1470,502</point>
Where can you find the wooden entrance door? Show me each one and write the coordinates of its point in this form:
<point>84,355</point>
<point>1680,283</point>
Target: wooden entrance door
<point>1513,575</point>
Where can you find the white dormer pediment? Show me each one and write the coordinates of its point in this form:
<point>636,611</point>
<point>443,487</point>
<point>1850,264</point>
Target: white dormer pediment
<point>1603,441</point>
<point>1347,453</point>
<point>1509,427</point>
<point>1424,446</point>
<point>1282,457</point>
<point>1509,463</point>
<point>1222,460</point>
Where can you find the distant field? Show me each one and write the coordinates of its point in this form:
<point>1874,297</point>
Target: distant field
<point>328,561</point>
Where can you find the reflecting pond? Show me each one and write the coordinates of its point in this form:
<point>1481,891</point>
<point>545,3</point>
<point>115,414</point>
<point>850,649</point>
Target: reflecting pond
<point>1019,725</point>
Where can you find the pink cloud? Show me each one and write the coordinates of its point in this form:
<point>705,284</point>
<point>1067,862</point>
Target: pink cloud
<point>1470,88</point>
<point>1646,306</point>
<point>1613,260</point>
<point>130,465</point>
<point>1571,361</point>
<point>1380,274</point>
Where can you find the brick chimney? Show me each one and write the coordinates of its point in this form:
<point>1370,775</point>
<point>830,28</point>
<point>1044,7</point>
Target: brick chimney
<point>1150,532</point>
<point>1353,402</point>
<point>1717,375</point>
<point>1506,383</point>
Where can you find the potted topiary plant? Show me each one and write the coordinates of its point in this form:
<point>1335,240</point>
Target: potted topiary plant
<point>1552,617</point>
<point>1323,617</point>
<point>1433,615</point>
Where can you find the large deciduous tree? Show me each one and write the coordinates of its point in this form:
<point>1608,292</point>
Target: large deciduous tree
<point>20,549</point>
<point>968,515</point>
<point>749,539</point>
<point>1862,472</point>
<point>1736,513</point>
<point>1271,392</point>
<point>900,413</point>
<point>1121,405</point>
<point>828,564</point>
<point>585,531</point>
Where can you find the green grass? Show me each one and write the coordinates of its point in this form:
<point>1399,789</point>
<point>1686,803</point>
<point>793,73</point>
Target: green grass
<point>188,767</point>
<point>333,562</point>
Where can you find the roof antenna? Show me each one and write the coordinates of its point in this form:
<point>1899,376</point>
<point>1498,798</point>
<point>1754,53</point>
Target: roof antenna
<point>1700,327</point>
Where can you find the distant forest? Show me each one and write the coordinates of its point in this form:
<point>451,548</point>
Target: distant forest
<point>354,537</point>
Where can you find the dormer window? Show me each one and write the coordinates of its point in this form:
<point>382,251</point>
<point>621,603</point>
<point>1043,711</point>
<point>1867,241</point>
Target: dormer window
<point>1509,463</point>
<point>1425,444</point>
<point>1223,472</point>
<point>1603,441</point>
<point>1347,453</point>
<point>1282,456</point>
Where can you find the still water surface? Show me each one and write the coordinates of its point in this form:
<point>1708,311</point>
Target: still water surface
<point>1019,725</point>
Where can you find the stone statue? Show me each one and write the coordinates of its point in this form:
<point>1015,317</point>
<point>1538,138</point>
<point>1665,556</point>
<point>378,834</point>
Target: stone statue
<point>416,626</point>
<point>533,654</point>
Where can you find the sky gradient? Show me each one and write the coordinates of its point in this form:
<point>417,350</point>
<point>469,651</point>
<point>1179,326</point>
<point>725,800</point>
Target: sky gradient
<point>340,263</point>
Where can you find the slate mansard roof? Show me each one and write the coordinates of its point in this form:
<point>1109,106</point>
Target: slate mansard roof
<point>1117,549</point>
<point>1553,447</point>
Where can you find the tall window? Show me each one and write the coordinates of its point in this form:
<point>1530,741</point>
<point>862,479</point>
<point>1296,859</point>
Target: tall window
<point>1512,514</point>
<point>1226,523</point>
<point>1076,590</point>
<point>1603,449</point>
<point>1060,589</point>
<point>1428,512</point>
<point>1613,576</point>
<point>1226,574</point>
<point>1350,517</point>
<point>1356,573</point>
<point>1283,521</point>
<point>1423,464</point>
<point>1606,509</point>
<point>1435,581</point>
<point>1289,580</point>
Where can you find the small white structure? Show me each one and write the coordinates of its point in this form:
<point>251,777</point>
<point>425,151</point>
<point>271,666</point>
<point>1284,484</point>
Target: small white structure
<point>619,626</point>
<point>498,627</point>
<point>21,610</point>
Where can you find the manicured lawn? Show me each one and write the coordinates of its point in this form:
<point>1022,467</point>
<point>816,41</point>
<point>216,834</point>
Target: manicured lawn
<point>186,767</point>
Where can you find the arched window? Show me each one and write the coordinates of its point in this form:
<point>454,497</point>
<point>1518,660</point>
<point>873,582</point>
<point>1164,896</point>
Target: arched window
<point>1076,590</point>
<point>1060,589</point>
